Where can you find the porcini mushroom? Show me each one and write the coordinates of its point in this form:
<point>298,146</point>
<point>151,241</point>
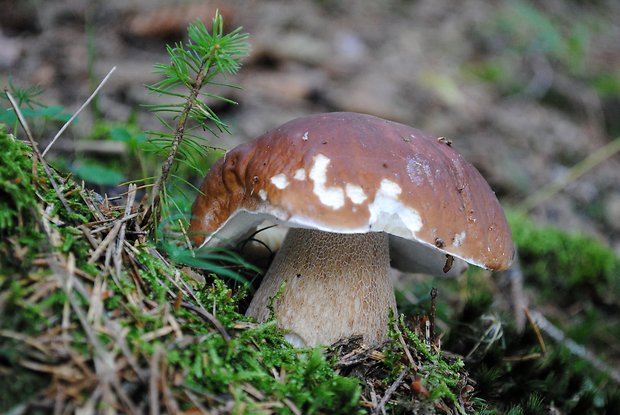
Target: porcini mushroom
<point>351,188</point>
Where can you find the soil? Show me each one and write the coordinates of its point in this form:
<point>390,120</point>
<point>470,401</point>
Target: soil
<point>516,87</point>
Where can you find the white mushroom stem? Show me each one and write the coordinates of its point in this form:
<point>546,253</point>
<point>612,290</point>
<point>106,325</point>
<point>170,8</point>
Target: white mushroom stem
<point>336,286</point>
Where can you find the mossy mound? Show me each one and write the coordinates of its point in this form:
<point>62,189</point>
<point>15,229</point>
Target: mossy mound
<point>95,318</point>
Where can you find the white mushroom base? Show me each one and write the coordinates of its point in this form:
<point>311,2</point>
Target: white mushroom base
<point>335,286</point>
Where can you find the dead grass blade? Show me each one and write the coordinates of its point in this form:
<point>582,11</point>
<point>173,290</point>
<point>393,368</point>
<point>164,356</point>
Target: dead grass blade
<point>578,170</point>
<point>380,408</point>
<point>74,116</point>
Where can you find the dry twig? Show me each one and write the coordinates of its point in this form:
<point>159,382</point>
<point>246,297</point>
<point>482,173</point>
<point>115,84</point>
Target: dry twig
<point>388,393</point>
<point>539,336</point>
<point>74,116</point>
<point>205,315</point>
<point>155,380</point>
<point>118,248</point>
<point>599,156</point>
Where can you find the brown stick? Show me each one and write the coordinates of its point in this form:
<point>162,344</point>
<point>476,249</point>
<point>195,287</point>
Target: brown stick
<point>434,293</point>
<point>388,393</point>
<point>209,317</point>
<point>539,336</point>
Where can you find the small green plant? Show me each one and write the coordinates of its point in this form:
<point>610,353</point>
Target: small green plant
<point>193,66</point>
<point>206,57</point>
<point>32,109</point>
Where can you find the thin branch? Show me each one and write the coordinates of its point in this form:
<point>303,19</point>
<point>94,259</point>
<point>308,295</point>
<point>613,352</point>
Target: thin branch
<point>209,317</point>
<point>432,315</point>
<point>536,329</point>
<point>172,406</point>
<point>406,349</point>
<point>388,393</point>
<point>517,298</point>
<point>118,249</point>
<point>154,381</point>
<point>20,116</point>
<point>294,409</point>
<point>74,116</point>
<point>578,170</point>
<point>106,241</point>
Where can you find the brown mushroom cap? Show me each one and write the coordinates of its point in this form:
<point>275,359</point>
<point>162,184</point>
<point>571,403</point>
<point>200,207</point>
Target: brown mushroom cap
<point>355,173</point>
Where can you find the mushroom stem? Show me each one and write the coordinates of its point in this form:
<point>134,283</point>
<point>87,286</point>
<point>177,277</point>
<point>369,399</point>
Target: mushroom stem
<point>336,286</point>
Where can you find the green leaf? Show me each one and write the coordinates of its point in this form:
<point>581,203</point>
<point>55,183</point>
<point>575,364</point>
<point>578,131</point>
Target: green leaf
<point>97,173</point>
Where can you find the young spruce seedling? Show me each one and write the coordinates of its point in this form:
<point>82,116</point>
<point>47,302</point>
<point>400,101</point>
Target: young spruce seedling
<point>193,65</point>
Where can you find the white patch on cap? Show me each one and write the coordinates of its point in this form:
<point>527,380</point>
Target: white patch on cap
<point>262,193</point>
<point>419,169</point>
<point>280,181</point>
<point>305,136</point>
<point>389,188</point>
<point>329,196</point>
<point>300,174</point>
<point>458,239</point>
<point>388,214</point>
<point>355,193</point>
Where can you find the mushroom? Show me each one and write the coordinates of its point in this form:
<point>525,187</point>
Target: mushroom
<point>359,194</point>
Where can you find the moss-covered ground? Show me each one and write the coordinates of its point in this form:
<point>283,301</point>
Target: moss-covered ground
<point>95,318</point>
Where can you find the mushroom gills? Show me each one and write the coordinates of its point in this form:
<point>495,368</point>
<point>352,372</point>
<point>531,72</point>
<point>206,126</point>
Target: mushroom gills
<point>419,258</point>
<point>335,286</point>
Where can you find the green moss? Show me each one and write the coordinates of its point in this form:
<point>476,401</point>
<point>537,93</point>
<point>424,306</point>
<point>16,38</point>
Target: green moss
<point>28,296</point>
<point>238,365</point>
<point>556,261</point>
<point>572,272</point>
<point>21,194</point>
<point>441,375</point>
<point>17,197</point>
<point>16,189</point>
<point>563,271</point>
<point>253,359</point>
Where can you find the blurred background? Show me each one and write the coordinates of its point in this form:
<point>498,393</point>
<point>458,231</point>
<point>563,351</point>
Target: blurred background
<point>527,91</point>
